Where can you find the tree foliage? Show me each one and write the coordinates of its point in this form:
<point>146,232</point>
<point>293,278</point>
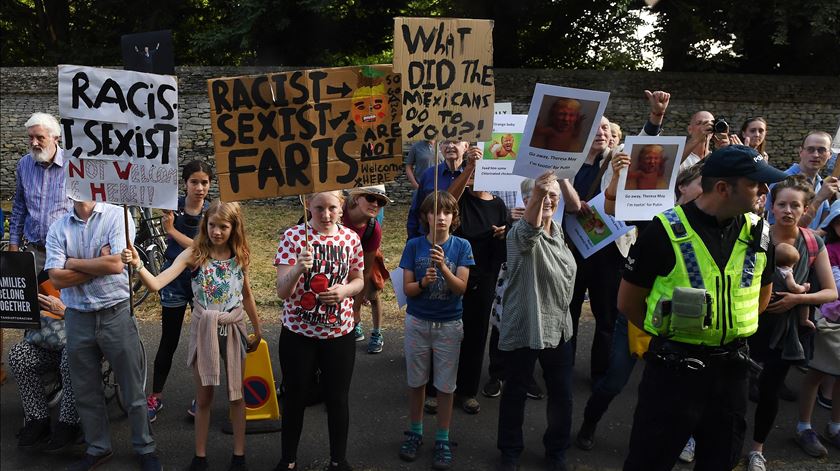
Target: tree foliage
<point>791,36</point>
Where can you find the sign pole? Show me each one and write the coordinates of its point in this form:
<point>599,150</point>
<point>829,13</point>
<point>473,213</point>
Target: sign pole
<point>432,228</point>
<point>128,245</point>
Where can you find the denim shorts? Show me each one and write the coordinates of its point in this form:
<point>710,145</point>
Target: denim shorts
<point>179,291</point>
<point>427,340</point>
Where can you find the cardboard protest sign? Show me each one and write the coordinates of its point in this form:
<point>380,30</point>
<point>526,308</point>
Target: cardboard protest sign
<point>494,172</point>
<point>447,70</point>
<point>646,188</point>
<point>120,135</point>
<point>593,232</point>
<point>560,129</point>
<point>300,132</point>
<point>149,52</point>
<point>18,291</point>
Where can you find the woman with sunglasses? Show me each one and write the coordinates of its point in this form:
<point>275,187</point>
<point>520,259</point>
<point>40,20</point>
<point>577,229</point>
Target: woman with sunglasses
<point>363,204</point>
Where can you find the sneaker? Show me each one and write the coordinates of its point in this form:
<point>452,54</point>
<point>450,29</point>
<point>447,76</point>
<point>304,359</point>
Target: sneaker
<point>153,405</point>
<point>90,462</point>
<point>471,406</point>
<point>430,405</point>
<point>687,454</point>
<point>358,332</point>
<point>443,454</point>
<point>64,436</point>
<point>586,436</point>
<point>340,466</point>
<point>199,464</point>
<point>33,433</point>
<point>810,443</point>
<point>493,388</point>
<point>823,401</point>
<point>237,464</point>
<point>534,392</point>
<point>150,462</point>
<point>376,342</point>
<point>408,449</point>
<point>832,439</point>
<point>191,410</point>
<point>756,461</point>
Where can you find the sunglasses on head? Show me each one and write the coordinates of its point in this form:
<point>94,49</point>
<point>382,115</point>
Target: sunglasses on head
<point>373,199</point>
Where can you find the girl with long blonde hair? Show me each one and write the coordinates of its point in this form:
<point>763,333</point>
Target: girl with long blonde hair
<point>218,260</point>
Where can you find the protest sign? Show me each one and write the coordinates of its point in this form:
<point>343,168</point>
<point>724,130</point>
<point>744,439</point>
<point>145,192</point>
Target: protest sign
<point>399,292</point>
<point>447,69</point>
<point>18,291</point>
<point>300,132</point>
<point>835,143</point>
<point>560,129</point>
<point>594,231</point>
<point>494,172</point>
<point>149,52</point>
<point>646,187</point>
<point>120,135</point>
<point>502,108</point>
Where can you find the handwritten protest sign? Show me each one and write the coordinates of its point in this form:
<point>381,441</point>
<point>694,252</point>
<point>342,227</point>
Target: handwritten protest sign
<point>494,172</point>
<point>120,135</point>
<point>646,188</point>
<point>560,129</point>
<point>594,231</point>
<point>447,69</point>
<point>18,291</point>
<point>300,132</point>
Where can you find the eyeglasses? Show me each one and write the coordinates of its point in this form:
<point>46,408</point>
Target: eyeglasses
<point>373,199</point>
<point>819,150</point>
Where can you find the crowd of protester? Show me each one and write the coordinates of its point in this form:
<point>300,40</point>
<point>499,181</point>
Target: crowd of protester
<point>715,298</point>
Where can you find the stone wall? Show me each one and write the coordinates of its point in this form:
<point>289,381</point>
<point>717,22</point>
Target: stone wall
<point>791,105</point>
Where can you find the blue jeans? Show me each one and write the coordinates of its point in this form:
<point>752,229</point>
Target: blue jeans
<point>111,332</point>
<point>557,365</point>
<point>618,373</point>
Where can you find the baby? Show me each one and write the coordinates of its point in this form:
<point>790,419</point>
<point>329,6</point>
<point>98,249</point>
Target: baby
<point>786,258</point>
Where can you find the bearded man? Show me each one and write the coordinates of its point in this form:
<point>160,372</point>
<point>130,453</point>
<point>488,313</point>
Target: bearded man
<point>40,196</point>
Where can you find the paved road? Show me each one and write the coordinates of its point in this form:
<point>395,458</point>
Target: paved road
<point>378,418</point>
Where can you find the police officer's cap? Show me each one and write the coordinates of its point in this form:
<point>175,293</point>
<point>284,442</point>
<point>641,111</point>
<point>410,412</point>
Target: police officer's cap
<point>741,161</point>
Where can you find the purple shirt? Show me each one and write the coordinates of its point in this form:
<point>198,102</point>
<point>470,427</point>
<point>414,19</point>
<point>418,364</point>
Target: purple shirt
<point>40,199</point>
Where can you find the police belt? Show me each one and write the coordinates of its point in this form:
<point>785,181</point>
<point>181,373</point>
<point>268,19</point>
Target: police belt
<point>689,357</point>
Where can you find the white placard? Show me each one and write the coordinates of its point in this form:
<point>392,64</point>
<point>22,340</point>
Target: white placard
<point>560,129</point>
<point>397,282</point>
<point>594,232</point>
<point>835,144</point>
<point>502,108</point>
<point>120,135</point>
<point>646,188</point>
<point>494,172</point>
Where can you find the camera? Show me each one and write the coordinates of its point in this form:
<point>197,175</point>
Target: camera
<point>720,126</point>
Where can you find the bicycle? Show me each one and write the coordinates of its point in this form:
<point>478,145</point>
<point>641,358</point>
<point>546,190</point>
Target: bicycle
<point>150,243</point>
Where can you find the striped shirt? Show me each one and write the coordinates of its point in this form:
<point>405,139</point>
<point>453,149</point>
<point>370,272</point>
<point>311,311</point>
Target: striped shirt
<point>40,199</point>
<point>540,277</point>
<point>72,237</point>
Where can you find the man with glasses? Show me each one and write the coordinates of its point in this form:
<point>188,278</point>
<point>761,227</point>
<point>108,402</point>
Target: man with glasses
<point>813,155</point>
<point>447,172</point>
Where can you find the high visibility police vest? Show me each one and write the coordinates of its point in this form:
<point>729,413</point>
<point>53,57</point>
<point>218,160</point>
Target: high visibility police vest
<point>732,295</point>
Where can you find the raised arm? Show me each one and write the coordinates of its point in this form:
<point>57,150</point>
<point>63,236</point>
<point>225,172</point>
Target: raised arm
<point>471,156</point>
<point>619,162</point>
<point>155,283</point>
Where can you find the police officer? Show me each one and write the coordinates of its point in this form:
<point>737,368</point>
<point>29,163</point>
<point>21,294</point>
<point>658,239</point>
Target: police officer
<point>696,281</point>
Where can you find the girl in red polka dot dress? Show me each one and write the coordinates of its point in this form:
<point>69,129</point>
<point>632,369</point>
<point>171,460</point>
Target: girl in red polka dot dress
<point>319,271</point>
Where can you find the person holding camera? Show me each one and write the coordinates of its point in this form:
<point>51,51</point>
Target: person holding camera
<point>704,132</point>
<point>699,301</point>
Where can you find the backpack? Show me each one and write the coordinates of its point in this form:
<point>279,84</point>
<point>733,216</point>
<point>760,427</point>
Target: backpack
<point>811,244</point>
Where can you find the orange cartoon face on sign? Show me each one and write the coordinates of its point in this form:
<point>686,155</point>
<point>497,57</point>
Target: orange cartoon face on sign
<point>370,105</point>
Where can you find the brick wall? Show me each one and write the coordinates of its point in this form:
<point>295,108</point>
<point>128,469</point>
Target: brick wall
<point>791,105</point>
